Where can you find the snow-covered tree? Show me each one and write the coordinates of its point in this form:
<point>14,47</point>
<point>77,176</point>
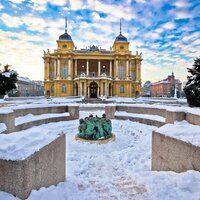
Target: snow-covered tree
<point>8,78</point>
<point>192,88</point>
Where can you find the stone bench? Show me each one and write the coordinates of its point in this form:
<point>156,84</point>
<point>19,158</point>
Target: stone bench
<point>43,168</point>
<point>8,116</point>
<point>149,116</point>
<point>176,148</point>
<point>153,120</point>
<point>170,114</point>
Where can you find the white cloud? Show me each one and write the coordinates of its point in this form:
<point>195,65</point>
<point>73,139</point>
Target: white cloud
<point>11,21</point>
<point>140,1</point>
<point>181,4</point>
<point>196,42</point>
<point>40,5</point>
<point>1,7</point>
<point>76,4</point>
<point>17,54</point>
<point>96,16</point>
<point>191,36</point>
<point>152,35</point>
<point>182,15</point>
<point>58,2</point>
<point>169,25</point>
<point>159,30</point>
<point>34,23</point>
<point>16,1</point>
<point>114,11</point>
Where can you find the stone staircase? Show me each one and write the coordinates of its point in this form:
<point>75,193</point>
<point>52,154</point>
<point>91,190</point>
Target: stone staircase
<point>123,188</point>
<point>95,100</point>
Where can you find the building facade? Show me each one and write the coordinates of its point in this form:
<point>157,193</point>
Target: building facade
<point>92,72</point>
<point>169,87</point>
<point>146,92</point>
<point>26,87</point>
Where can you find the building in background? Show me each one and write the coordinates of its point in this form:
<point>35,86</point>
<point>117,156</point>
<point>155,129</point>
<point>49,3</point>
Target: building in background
<point>169,87</point>
<point>26,87</point>
<point>92,72</point>
<point>146,89</point>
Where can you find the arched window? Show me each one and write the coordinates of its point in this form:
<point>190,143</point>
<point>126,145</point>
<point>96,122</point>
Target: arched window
<point>63,88</point>
<point>52,88</point>
<point>121,88</point>
<point>121,72</point>
<point>64,72</point>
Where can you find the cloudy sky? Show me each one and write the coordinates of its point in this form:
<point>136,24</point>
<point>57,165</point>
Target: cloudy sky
<point>167,32</point>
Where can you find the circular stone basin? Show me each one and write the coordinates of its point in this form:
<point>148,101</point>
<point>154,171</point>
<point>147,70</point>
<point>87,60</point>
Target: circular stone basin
<point>102,141</point>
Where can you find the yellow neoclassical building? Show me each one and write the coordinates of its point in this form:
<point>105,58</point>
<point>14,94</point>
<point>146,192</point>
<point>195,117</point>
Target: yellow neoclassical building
<point>92,72</point>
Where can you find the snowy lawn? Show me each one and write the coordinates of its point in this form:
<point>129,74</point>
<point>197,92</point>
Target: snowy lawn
<point>117,170</point>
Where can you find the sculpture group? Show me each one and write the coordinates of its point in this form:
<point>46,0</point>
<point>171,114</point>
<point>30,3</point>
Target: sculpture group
<point>95,128</point>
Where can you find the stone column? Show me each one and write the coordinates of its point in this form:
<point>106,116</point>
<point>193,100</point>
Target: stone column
<point>139,65</point>
<point>102,89</point>
<point>106,89</point>
<point>48,70</point>
<point>88,91</point>
<point>130,69</point>
<point>58,68</point>
<point>75,67</point>
<point>117,68</point>
<point>97,91</point>
<point>127,69</point>
<point>111,68</point>
<point>69,68</point>
<point>54,69</point>
<point>99,67</point>
<point>136,70</point>
<point>85,89</point>
<point>87,68</point>
<point>80,89</point>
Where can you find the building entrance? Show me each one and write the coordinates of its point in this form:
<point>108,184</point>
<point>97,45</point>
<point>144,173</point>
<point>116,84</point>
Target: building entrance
<point>93,90</point>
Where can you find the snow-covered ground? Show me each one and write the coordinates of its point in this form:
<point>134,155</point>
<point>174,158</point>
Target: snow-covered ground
<point>2,127</point>
<point>31,117</point>
<point>144,116</point>
<point>120,169</point>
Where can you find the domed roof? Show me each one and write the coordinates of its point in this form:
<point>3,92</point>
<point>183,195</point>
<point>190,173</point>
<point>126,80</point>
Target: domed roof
<point>65,37</point>
<point>121,38</point>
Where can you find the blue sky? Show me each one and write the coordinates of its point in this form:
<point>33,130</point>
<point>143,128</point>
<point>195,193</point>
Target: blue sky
<point>167,32</point>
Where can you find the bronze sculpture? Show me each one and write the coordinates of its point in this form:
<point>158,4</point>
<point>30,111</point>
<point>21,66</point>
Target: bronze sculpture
<point>95,128</point>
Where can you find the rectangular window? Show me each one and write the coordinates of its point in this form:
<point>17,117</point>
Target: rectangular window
<point>121,88</point>
<point>121,72</point>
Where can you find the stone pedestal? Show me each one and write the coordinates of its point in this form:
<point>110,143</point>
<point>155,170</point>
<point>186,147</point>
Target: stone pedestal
<point>43,168</point>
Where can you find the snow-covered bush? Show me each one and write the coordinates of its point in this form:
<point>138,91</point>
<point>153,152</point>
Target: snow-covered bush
<point>8,78</point>
<point>192,88</point>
